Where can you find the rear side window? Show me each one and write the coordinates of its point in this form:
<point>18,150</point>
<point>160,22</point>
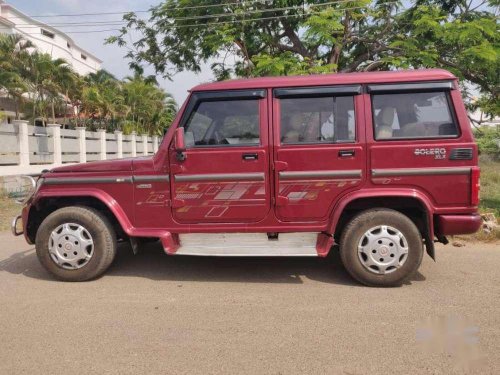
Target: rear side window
<point>223,123</point>
<point>413,115</point>
<point>327,119</point>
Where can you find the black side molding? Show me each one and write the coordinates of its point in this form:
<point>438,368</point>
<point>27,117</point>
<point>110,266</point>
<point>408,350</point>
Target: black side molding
<point>229,95</point>
<point>413,87</point>
<point>312,92</point>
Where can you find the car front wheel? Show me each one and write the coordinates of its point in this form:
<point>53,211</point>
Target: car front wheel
<point>76,243</point>
<point>381,247</point>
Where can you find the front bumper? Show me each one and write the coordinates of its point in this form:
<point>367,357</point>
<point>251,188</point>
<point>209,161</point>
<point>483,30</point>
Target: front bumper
<point>448,225</point>
<point>13,226</point>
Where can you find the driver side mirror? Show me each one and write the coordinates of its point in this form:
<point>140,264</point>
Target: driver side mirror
<point>180,144</point>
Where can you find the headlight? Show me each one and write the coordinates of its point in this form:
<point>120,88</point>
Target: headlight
<point>31,189</point>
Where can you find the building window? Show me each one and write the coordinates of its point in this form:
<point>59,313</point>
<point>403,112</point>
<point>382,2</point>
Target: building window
<point>48,34</point>
<point>84,57</point>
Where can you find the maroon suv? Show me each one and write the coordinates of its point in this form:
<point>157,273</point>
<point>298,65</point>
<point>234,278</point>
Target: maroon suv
<point>383,164</point>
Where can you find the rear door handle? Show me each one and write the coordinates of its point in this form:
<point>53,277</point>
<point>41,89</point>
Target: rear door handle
<point>346,153</point>
<point>249,156</point>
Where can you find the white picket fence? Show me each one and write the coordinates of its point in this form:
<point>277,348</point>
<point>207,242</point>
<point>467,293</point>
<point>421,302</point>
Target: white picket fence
<point>26,149</point>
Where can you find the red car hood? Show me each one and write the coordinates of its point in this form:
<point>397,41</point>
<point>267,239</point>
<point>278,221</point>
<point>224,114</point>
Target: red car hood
<point>118,165</point>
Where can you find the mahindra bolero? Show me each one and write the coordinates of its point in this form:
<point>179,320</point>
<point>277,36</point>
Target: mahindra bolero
<point>382,164</point>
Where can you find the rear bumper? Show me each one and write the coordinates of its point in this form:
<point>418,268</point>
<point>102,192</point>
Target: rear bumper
<point>448,225</point>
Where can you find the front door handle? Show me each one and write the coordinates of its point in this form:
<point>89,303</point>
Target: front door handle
<point>346,153</point>
<point>250,156</point>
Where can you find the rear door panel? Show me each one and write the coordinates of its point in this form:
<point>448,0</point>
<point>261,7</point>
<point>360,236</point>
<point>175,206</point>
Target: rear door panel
<point>310,178</point>
<point>438,167</point>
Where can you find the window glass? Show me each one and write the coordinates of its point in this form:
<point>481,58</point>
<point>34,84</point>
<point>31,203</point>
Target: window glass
<point>317,120</point>
<point>223,122</point>
<point>413,115</point>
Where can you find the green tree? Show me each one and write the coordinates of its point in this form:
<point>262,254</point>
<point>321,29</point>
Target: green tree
<point>151,109</point>
<point>103,100</point>
<point>51,87</point>
<point>13,55</point>
<point>47,79</point>
<point>285,37</point>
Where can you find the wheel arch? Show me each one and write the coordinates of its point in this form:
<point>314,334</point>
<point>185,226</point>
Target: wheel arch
<point>412,203</point>
<point>49,201</point>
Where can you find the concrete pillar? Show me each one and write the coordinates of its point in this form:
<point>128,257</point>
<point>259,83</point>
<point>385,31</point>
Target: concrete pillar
<point>23,141</point>
<point>155,144</point>
<point>82,144</point>
<point>133,143</point>
<point>119,143</point>
<point>144,144</point>
<point>102,143</point>
<point>56,139</point>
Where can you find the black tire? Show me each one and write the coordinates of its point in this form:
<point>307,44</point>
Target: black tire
<point>96,224</point>
<point>354,232</point>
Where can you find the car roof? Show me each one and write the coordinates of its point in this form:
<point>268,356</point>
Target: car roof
<point>416,75</point>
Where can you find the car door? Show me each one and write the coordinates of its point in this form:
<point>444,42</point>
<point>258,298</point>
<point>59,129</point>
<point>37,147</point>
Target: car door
<point>224,176</point>
<point>319,150</point>
<point>417,124</point>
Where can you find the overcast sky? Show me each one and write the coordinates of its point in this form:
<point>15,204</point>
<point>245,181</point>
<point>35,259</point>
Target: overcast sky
<point>111,55</point>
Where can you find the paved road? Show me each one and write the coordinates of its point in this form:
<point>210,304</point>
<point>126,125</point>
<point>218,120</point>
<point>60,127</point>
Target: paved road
<point>179,315</point>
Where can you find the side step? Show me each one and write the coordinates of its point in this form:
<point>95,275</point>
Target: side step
<point>248,244</point>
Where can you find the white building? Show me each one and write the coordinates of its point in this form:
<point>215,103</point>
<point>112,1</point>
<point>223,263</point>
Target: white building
<point>47,39</point>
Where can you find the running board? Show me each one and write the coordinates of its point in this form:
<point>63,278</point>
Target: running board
<point>248,244</point>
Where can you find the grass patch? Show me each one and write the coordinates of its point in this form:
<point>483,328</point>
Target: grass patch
<point>490,186</point>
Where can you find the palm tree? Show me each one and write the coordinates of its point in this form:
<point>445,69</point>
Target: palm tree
<point>136,103</point>
<point>14,52</point>
<point>102,99</point>
<point>151,107</point>
<point>61,77</point>
<point>48,78</point>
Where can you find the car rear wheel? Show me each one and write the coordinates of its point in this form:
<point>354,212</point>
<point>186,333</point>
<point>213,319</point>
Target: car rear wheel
<point>381,247</point>
<point>76,243</point>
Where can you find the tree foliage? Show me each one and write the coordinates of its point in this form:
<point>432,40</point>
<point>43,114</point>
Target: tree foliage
<point>43,88</point>
<point>289,37</point>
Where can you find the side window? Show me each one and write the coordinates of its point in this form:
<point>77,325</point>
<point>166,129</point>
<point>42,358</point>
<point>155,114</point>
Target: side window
<point>413,115</point>
<point>223,123</point>
<point>326,119</point>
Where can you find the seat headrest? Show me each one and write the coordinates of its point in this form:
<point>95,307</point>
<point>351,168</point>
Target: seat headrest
<point>386,116</point>
<point>383,132</point>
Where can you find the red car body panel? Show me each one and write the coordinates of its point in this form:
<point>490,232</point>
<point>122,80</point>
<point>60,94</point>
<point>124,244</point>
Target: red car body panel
<point>155,197</point>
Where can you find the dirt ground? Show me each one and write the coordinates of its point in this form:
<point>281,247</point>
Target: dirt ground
<point>156,314</point>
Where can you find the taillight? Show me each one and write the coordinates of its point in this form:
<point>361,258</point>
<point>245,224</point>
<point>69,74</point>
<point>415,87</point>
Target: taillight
<point>474,191</point>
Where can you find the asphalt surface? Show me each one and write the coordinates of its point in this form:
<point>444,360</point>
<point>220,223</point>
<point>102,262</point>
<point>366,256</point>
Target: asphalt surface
<point>154,314</point>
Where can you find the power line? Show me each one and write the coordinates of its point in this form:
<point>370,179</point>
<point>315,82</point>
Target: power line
<point>147,11</point>
<point>118,23</point>
<point>219,23</point>
<point>294,7</point>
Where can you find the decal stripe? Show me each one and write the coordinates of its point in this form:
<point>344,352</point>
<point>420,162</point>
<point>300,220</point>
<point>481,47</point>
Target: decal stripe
<point>301,175</point>
<point>419,171</point>
<point>220,177</point>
